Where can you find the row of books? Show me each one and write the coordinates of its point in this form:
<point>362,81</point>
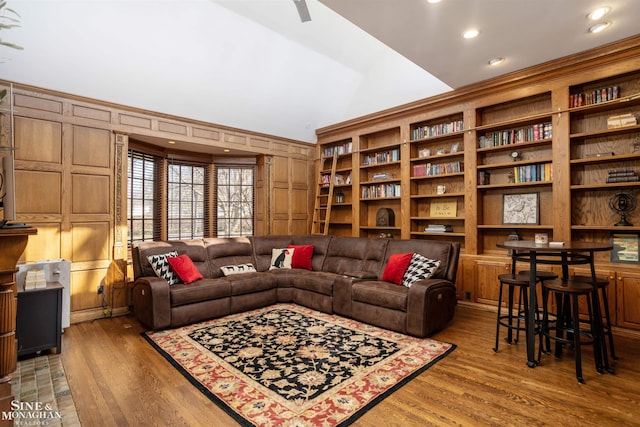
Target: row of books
<point>594,97</point>
<point>533,173</point>
<point>382,157</point>
<point>431,169</point>
<point>438,228</point>
<point>622,175</point>
<point>513,136</point>
<point>345,148</point>
<point>430,131</point>
<point>373,191</point>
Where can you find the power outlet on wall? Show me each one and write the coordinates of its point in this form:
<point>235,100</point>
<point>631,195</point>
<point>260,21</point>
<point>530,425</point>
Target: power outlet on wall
<point>100,289</point>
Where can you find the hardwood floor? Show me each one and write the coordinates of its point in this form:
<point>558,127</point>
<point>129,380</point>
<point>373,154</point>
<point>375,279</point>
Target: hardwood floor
<point>118,379</point>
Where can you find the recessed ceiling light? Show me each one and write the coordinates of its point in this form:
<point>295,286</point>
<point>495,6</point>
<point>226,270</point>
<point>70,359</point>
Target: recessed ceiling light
<point>470,34</point>
<point>496,61</point>
<point>433,1</point>
<point>599,27</point>
<point>171,142</point>
<point>599,13</point>
<point>226,150</point>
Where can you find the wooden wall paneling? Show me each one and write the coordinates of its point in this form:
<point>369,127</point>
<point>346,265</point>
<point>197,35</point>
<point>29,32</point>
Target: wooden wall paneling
<point>91,194</point>
<point>261,202</point>
<point>85,301</point>
<point>38,140</point>
<point>45,244</point>
<point>91,147</point>
<point>38,192</point>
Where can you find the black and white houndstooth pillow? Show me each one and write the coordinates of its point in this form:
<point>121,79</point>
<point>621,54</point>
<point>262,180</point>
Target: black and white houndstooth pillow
<point>162,268</point>
<point>419,268</point>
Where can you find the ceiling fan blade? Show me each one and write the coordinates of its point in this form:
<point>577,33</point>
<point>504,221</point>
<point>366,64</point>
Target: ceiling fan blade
<point>303,11</point>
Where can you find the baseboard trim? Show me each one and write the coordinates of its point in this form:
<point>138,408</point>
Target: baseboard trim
<point>97,313</point>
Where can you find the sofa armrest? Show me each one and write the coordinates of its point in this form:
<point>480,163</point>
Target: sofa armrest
<point>430,306</point>
<point>361,275</point>
<point>152,302</point>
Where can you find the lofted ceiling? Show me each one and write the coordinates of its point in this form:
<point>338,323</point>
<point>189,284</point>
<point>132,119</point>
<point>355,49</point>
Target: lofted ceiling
<point>252,64</point>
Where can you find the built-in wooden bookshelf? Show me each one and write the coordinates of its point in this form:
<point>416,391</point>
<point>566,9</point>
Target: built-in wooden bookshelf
<point>513,157</point>
<point>553,135</point>
<point>437,178</point>
<point>604,157</point>
<point>341,215</point>
<point>380,181</point>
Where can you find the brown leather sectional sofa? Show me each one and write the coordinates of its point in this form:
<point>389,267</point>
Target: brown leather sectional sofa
<point>345,279</point>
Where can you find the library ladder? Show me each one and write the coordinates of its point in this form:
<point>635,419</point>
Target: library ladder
<point>324,197</point>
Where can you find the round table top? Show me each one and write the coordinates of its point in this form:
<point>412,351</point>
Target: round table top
<point>573,246</point>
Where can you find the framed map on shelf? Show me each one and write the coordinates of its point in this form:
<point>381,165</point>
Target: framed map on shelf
<point>521,209</point>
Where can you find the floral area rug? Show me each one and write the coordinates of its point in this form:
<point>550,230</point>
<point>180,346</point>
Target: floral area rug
<point>289,365</point>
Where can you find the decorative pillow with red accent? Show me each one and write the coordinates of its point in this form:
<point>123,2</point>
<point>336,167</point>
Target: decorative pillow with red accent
<point>185,268</point>
<point>281,258</point>
<point>396,267</point>
<point>160,265</point>
<point>302,256</point>
<point>419,268</point>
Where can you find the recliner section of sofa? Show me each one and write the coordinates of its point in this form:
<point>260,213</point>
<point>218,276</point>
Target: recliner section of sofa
<point>345,279</point>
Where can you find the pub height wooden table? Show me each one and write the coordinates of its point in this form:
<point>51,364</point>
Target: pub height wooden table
<point>564,254</point>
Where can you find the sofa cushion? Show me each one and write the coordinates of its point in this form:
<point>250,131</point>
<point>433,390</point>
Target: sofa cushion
<point>230,270</point>
<point>419,268</point>
<point>162,268</point>
<point>184,268</point>
<point>396,267</point>
<point>318,281</point>
<point>379,293</point>
<point>250,283</point>
<point>201,290</point>
<point>223,251</point>
<point>302,256</point>
<point>281,258</point>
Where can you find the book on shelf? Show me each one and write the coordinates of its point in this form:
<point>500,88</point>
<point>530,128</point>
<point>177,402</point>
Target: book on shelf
<point>596,96</point>
<point>621,172</point>
<point>433,169</point>
<point>382,175</point>
<point>533,173</point>
<point>498,138</point>
<point>603,154</point>
<point>631,178</point>
<point>438,228</point>
<point>380,190</point>
<point>345,148</point>
<point>622,175</point>
<point>621,120</point>
<point>429,131</point>
<point>382,157</point>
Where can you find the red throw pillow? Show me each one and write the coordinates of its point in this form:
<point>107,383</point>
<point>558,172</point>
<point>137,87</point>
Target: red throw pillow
<point>185,268</point>
<point>396,267</point>
<point>302,256</point>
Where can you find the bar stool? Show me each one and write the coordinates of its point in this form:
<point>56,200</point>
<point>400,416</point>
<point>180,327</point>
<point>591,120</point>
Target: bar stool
<point>567,294</point>
<point>541,276</point>
<point>513,281</point>
<point>601,284</point>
